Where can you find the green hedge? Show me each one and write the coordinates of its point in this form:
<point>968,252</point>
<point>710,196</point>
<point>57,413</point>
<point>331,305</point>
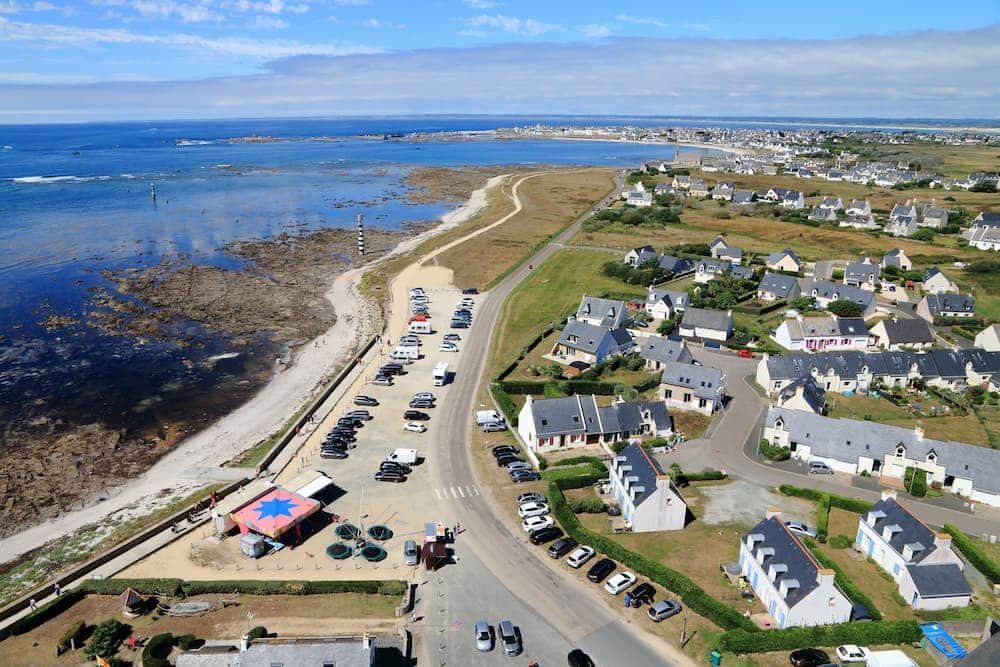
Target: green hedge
<point>822,517</point>
<point>587,506</point>
<point>850,589</point>
<point>646,385</point>
<point>45,612</point>
<point>875,632</point>
<point>73,635</point>
<point>693,596</point>
<point>774,452</point>
<point>986,565</point>
<point>506,404</point>
<point>704,476</point>
<point>915,481</point>
<point>157,650</point>
<point>188,642</point>
<point>258,632</point>
<point>840,502</point>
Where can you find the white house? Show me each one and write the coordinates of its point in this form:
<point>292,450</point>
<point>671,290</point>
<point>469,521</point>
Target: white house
<point>778,286</point>
<point>832,203</point>
<point>920,560</point>
<point>936,282</point>
<point>793,200</point>
<point>685,386</point>
<point>639,198</point>
<point>824,293</point>
<point>821,214</point>
<point>786,260</point>
<point>640,255</point>
<point>946,305</point>
<point>863,274</point>
<point>546,424</point>
<point>657,351</point>
<point>646,495</point>
<point>822,333</point>
<point>662,304</point>
<point>859,207</point>
<point>706,324</point>
<point>600,312</point>
<point>899,334</point>
<point>896,257</point>
<point>591,344</point>
<point>989,338</point>
<point>787,579</point>
<point>709,269</point>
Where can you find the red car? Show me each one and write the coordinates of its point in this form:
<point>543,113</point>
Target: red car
<point>746,354</point>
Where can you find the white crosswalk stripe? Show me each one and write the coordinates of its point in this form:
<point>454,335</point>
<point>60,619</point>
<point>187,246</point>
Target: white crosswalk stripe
<point>461,492</point>
<point>453,494</point>
<point>437,493</point>
<point>457,492</point>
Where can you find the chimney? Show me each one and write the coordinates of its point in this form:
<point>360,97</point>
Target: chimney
<point>825,577</point>
<point>918,432</point>
<point>366,641</point>
<point>888,493</point>
<point>773,511</point>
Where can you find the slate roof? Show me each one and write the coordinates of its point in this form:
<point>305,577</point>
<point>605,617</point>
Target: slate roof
<point>881,363</point>
<point>931,272</point>
<point>717,320</point>
<point>788,551</point>
<point>644,467</point>
<point>704,382</point>
<point>731,252</point>
<point>986,654</point>
<point>718,241</point>
<point>611,311</point>
<point>813,394</point>
<point>912,530</point>
<point>588,337</point>
<point>644,253</point>
<point>576,414</point>
<point>827,290</point>
<point>941,580</point>
<point>745,272</point>
<point>553,416</point>
<point>950,303</point>
<point>987,219</point>
<point>661,349</point>
<point>718,266</point>
<point>743,197</point>
<point>778,284</point>
<point>847,439</point>
<point>859,271</point>
<point>678,300</point>
<point>907,332</point>
<point>776,257</point>
<point>676,265</point>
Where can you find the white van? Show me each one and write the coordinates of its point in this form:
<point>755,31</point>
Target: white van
<point>407,456</point>
<point>421,328</point>
<point>405,352</point>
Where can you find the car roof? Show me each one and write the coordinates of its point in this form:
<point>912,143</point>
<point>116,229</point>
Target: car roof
<point>482,626</point>
<point>506,627</point>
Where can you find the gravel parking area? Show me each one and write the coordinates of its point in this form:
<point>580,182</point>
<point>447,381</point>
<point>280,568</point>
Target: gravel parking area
<point>747,503</point>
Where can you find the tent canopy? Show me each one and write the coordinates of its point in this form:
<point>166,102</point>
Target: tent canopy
<point>274,513</point>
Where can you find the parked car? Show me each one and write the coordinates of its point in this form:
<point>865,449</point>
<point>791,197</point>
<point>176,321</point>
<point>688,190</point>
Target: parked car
<point>423,396</point>
<point>600,569</point>
<point>808,657</point>
<point>545,535</point>
<point>389,476</point>
<point>619,582</point>
<point>453,337</point>
<point>518,476</point>
<point>395,466</point>
<point>663,609</point>
<point>580,556</point>
<point>562,547</point>
<point>414,427</point>
<point>534,523</point>
<point>500,450</point>
<point>363,415</point>
<point>409,341</point>
<point>416,415</point>
<point>518,465</point>
<point>332,453</point>
<point>361,399</point>
<point>421,403</point>
<point>527,510</point>
<point>459,324</point>
<point>492,427</point>
<point>641,594</point>
<point>385,369</point>
<point>530,497</point>
<point>800,528</point>
<point>819,468</point>
<point>506,459</point>
<point>852,653</point>
<point>448,347</point>
<point>350,422</point>
<point>411,554</point>
<point>382,381</point>
<point>578,658</point>
<point>484,636</point>
<point>470,290</point>
<point>508,638</point>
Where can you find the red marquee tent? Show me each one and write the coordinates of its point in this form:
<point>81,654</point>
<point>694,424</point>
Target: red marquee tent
<point>274,513</point>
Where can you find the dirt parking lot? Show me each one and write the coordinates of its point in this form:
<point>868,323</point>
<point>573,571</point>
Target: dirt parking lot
<point>358,497</point>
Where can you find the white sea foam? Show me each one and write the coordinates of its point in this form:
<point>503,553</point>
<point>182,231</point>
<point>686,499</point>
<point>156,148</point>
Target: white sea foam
<point>52,179</point>
<point>224,355</point>
<point>192,142</point>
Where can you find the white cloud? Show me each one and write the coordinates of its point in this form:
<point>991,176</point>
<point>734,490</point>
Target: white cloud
<point>42,7</point>
<point>641,20</point>
<point>596,31</point>
<point>9,7</point>
<point>375,24</point>
<point>525,27</point>
<point>480,4</point>
<point>268,23</point>
<point>186,12</point>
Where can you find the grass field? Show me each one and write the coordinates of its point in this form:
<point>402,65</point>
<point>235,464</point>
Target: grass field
<point>549,294</point>
<point>963,429</point>
<point>550,202</point>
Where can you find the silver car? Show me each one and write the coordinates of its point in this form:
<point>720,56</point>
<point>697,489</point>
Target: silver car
<point>484,636</point>
<point>663,609</point>
<point>411,555</point>
<point>509,639</point>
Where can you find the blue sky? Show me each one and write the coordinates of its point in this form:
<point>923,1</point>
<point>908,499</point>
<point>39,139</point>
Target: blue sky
<point>99,59</point>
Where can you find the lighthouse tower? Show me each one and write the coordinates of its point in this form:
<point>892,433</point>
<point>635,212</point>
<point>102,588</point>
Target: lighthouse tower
<point>361,234</point>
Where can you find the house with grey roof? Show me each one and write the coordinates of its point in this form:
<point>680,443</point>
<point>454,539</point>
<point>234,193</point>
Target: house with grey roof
<point>547,424</point>
<point>778,287</point>
<point>710,269</point>
<point>946,305</point>
<point>787,579</point>
<point>705,324</point>
<point>983,237</point>
<point>859,207</point>
<point>819,333</point>
<point>639,198</point>
<point>677,266</point>
<point>717,243</point>
<point>580,341</point>
<point>989,338</point>
<point>902,334</point>
<point>682,182</point>
<point>731,254</point>
<point>802,394</point>
<point>697,188</point>
<point>686,386</point>
<point>609,313</point>
<point>863,274</point>
<point>832,203</point>
<point>902,226</point>
<point>825,292</point>
<point>358,651</point>
<point>896,257</point>
<point>641,255</point>
<point>907,211</point>
<point>820,214</point>
<point>853,446</point>
<point>920,560</point>
<point>723,191</point>
<point>786,260</point>
<point>662,304</point>
<point>744,272</point>
<point>744,197</point>
<point>934,217</point>
<point>647,496</point>
<point>793,200</point>
<point>658,350</point>
<point>936,282</point>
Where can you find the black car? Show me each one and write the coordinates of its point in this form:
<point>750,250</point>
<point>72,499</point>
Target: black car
<point>808,657</point>
<point>389,476</point>
<point>470,290</point>
<point>500,450</point>
<point>394,367</point>
<point>641,595</point>
<point>600,570</point>
<point>353,422</point>
<point>386,369</point>
<point>416,415</point>
<point>395,466</point>
<point>518,476</point>
<point>578,658</point>
<point>504,460</point>
<point>361,399</point>
<point>562,547</point>
<point>332,454</point>
<point>421,403</point>
<point>334,443</point>
<point>543,535</point>
<point>459,324</point>
<point>342,432</point>
<point>363,415</point>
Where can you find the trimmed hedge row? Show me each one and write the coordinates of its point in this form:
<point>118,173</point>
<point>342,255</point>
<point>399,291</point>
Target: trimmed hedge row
<point>704,476</point>
<point>693,596</point>
<point>157,650</point>
<point>845,583</point>
<point>822,518</point>
<point>568,386</point>
<point>989,567</point>
<point>506,404</point>
<point>44,613</point>
<point>840,502</point>
<point>875,632</point>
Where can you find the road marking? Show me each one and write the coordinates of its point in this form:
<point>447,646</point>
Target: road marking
<point>473,489</point>
<point>437,493</point>
<point>453,494</point>
<point>461,492</point>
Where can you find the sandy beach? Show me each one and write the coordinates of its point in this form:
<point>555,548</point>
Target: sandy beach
<point>195,461</point>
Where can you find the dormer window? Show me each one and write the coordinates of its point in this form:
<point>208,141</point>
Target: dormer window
<point>900,450</point>
<point>931,457</point>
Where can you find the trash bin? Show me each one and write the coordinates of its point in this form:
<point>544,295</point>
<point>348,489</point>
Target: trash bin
<point>716,658</point>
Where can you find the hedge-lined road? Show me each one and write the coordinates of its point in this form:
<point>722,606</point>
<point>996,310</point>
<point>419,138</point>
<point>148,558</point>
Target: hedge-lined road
<point>497,568</point>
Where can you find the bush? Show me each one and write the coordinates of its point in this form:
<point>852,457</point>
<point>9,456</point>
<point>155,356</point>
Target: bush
<point>506,404</point>
<point>841,502</point>
<point>592,471</point>
<point>986,565</point>
<point>73,637</point>
<point>107,637</point>
<point>840,542</point>
<point>587,506</point>
<point>876,632</point>
<point>842,308</point>
<point>693,596</point>
<point>188,642</point>
<point>576,460</point>
<point>157,650</point>
<point>774,452</point>
<point>258,632</point>
<point>704,476</point>
<point>915,481</point>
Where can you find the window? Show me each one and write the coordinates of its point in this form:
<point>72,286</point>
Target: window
<point>702,402</point>
<point>687,398</point>
<point>668,393</point>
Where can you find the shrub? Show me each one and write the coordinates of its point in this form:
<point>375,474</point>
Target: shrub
<point>986,565</point>
<point>915,481</point>
<point>73,637</point>
<point>45,612</point>
<point>840,542</point>
<point>107,637</point>
<point>542,462</point>
<point>506,404</point>
<point>587,506</point>
<point>843,308</point>
<point>576,460</point>
<point>841,502</point>
<point>258,632</point>
<point>157,650</point>
<point>703,476</point>
<point>876,632</point>
<point>188,642</point>
<point>774,452</point>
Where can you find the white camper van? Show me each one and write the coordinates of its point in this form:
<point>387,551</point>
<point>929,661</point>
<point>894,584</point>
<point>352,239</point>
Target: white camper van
<point>421,327</point>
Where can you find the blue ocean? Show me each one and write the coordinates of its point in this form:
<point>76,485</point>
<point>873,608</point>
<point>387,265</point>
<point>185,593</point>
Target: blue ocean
<point>76,200</point>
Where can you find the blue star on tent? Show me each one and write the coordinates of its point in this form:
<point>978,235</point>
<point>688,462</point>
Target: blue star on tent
<point>274,508</point>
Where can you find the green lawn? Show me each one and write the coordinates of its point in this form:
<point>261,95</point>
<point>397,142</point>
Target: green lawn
<point>547,296</point>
